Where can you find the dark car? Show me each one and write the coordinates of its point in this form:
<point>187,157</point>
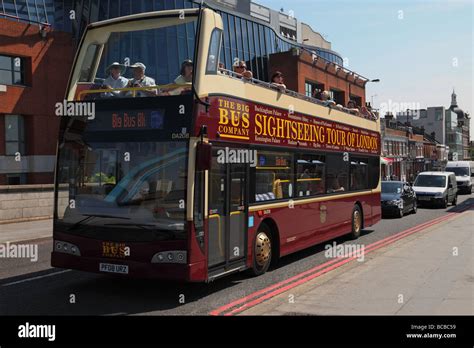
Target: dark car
<point>398,198</point>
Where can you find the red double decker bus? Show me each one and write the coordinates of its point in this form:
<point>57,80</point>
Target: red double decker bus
<point>193,180</point>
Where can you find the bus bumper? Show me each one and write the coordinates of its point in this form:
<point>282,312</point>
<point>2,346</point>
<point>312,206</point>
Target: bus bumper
<point>176,272</point>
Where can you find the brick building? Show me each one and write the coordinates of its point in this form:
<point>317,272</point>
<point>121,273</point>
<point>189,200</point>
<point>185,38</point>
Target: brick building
<point>34,67</point>
<point>306,73</point>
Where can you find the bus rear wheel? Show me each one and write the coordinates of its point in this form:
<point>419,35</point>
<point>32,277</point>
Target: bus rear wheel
<point>356,222</point>
<point>262,251</point>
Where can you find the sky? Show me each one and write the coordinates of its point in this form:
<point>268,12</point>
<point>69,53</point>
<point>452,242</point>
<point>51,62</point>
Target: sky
<point>419,49</point>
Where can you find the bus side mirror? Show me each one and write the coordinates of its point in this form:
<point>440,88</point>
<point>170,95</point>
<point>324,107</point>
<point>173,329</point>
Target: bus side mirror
<point>203,156</point>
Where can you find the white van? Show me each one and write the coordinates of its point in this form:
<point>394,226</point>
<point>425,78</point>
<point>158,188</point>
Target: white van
<point>464,172</point>
<point>436,188</point>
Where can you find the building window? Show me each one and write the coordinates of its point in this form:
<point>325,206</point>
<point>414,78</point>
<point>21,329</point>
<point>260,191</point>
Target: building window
<point>12,70</point>
<point>313,89</point>
<point>14,135</point>
<point>288,33</point>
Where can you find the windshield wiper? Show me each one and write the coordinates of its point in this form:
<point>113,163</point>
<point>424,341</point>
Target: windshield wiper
<point>143,226</point>
<point>92,216</point>
<point>146,227</point>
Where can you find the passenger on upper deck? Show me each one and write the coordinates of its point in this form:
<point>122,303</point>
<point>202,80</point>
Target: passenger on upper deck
<point>240,68</point>
<point>115,80</point>
<point>140,80</point>
<point>326,99</point>
<point>368,113</point>
<point>352,106</point>
<point>221,69</point>
<point>278,81</point>
<point>186,74</point>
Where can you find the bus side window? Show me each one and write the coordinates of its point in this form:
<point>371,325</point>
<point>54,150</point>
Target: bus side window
<point>214,52</point>
<point>310,175</point>
<point>337,173</point>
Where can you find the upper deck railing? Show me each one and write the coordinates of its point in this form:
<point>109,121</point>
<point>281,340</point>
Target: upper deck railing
<point>233,75</point>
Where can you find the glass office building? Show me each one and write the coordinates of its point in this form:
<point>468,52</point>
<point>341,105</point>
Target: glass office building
<point>53,12</point>
<point>245,38</point>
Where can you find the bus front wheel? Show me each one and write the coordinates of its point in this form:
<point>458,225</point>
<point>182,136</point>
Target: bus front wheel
<point>262,251</point>
<point>356,222</point>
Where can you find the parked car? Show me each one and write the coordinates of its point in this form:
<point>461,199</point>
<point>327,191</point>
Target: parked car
<point>464,171</point>
<point>436,188</point>
<point>398,198</point>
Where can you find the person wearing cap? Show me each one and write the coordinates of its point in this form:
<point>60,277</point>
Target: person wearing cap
<point>278,81</point>
<point>140,80</point>
<point>114,80</point>
<point>186,74</point>
<point>240,69</point>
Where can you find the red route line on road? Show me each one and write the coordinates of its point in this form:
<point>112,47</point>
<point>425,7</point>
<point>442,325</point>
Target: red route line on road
<point>326,267</point>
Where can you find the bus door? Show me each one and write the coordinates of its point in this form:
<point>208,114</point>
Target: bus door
<point>228,211</point>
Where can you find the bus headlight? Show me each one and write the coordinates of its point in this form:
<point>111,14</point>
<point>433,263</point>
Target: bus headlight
<point>66,248</point>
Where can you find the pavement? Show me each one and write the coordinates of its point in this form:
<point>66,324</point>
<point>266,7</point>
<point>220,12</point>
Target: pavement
<point>430,272</point>
<point>25,231</point>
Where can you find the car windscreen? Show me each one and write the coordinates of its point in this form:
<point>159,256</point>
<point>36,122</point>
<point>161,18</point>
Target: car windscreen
<point>430,181</point>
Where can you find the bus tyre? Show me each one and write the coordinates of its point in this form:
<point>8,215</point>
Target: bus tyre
<point>262,251</point>
<point>356,222</point>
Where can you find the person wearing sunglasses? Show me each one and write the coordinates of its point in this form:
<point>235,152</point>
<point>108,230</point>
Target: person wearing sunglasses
<point>240,69</point>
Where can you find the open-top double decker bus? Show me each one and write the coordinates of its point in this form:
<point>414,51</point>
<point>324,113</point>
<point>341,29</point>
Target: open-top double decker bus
<point>196,180</point>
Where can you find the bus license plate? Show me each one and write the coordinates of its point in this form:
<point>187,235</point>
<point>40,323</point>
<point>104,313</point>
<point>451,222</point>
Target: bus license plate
<point>111,268</point>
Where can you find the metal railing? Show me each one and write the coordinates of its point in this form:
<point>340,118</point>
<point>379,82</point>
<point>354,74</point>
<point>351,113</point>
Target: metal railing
<point>274,87</point>
<point>19,19</point>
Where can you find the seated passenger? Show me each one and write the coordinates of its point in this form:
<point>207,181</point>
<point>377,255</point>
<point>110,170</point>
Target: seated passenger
<point>115,80</point>
<point>352,106</point>
<point>186,74</point>
<point>221,69</point>
<point>240,68</point>
<point>140,80</point>
<point>278,81</point>
<point>326,99</point>
<point>334,186</point>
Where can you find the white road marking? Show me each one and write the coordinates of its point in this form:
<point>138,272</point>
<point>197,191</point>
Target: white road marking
<point>29,239</point>
<point>39,277</point>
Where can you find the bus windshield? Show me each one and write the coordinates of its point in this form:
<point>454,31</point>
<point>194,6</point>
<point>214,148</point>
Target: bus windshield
<point>130,191</point>
<point>118,67</point>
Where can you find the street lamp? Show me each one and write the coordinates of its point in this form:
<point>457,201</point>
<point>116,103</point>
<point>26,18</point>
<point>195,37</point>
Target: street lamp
<point>372,99</point>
